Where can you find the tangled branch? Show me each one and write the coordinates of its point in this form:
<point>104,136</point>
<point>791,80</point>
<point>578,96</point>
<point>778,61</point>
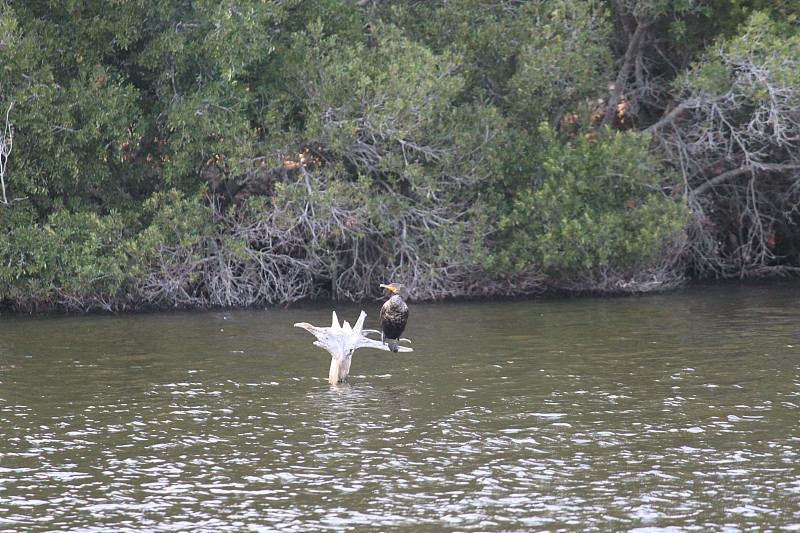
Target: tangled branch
<point>738,150</point>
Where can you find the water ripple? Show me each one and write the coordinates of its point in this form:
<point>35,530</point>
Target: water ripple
<point>660,426</point>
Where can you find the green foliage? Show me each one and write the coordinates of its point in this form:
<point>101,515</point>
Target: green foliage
<point>562,65</point>
<point>80,260</point>
<point>482,34</point>
<point>725,17</point>
<point>69,255</point>
<point>170,220</point>
<point>536,60</point>
<point>761,52</point>
<point>72,112</point>
<point>399,117</point>
<point>595,206</point>
<point>200,63</point>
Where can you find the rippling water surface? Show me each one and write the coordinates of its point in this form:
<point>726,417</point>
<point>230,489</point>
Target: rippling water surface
<point>661,414</point>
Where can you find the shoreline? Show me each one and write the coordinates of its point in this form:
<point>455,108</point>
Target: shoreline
<point>7,308</point>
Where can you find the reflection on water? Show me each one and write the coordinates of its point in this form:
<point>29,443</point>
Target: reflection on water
<point>668,413</point>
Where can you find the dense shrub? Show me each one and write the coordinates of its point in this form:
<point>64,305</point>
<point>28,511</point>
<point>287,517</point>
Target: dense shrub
<point>245,153</point>
<point>595,217</point>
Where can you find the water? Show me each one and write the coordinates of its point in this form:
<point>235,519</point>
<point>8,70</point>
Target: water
<point>674,413</point>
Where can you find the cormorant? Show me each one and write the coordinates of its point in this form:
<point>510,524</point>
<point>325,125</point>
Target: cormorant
<point>394,315</point>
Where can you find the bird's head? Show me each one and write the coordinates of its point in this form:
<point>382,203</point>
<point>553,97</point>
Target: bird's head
<point>397,288</point>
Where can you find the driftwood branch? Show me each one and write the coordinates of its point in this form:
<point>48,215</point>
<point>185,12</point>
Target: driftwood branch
<point>342,341</point>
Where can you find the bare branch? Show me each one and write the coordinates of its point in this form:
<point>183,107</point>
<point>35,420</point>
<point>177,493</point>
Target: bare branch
<point>736,172</point>
<point>669,118</point>
<point>6,144</point>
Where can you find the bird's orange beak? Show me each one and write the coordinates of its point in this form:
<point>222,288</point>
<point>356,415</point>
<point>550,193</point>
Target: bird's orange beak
<point>390,287</point>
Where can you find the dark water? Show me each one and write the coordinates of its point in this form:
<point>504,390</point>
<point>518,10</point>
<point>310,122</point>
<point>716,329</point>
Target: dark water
<point>673,413</point>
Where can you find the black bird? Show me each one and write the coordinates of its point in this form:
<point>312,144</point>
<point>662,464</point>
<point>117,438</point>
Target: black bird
<point>394,315</point>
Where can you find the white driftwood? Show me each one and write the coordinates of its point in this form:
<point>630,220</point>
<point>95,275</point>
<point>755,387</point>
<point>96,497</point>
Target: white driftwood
<point>342,341</point>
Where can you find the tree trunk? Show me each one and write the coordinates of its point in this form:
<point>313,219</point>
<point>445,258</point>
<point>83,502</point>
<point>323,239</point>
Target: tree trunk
<point>634,46</point>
